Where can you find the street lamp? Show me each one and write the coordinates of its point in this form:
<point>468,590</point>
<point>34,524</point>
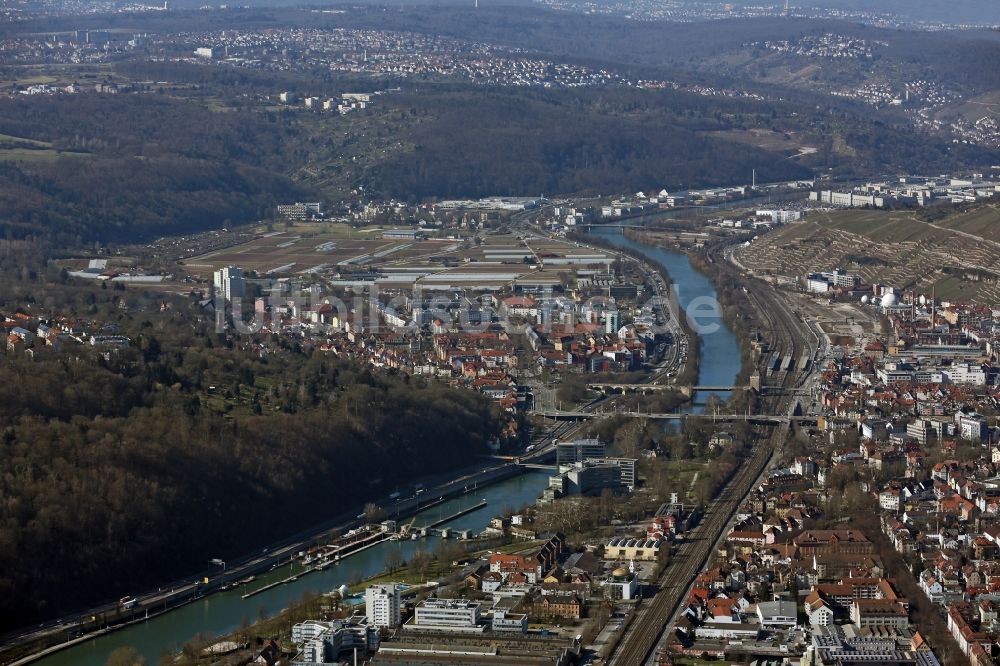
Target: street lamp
<point>219,563</point>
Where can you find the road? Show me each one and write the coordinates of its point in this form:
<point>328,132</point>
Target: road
<point>648,631</point>
<point>104,617</point>
<point>176,592</point>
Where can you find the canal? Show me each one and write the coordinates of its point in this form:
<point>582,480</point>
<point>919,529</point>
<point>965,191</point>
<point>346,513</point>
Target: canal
<point>223,612</point>
<point>720,351</point>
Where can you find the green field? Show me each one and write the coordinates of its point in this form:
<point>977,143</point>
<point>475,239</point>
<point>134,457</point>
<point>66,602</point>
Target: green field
<point>23,149</point>
<point>38,79</point>
<point>911,249</point>
<point>884,228</point>
<point>984,222</point>
<point>322,230</point>
<point>902,226</point>
<point>29,155</point>
<point>7,139</point>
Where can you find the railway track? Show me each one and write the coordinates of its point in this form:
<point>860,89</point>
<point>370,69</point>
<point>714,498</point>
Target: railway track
<point>652,619</point>
<point>642,634</point>
<point>645,630</point>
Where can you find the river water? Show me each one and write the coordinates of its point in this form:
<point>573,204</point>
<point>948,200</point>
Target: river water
<point>223,612</point>
<point>720,351</point>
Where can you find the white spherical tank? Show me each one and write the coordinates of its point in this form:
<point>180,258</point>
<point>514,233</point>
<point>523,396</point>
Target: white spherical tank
<point>344,591</point>
<point>923,300</point>
<point>889,300</point>
<point>865,299</point>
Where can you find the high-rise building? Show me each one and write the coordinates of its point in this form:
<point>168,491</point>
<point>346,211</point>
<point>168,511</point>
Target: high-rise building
<point>596,474</point>
<point>229,282</point>
<point>569,453</point>
<point>382,605</point>
<point>612,321</point>
<point>972,427</point>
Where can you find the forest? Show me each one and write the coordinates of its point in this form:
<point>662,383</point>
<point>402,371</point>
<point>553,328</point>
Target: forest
<point>118,474</point>
<point>137,166</point>
<point>204,146</point>
<point>519,143</point>
<point>142,165</point>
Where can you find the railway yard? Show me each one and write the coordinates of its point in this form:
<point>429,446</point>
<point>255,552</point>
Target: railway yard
<point>792,342</point>
<point>788,338</point>
<point>794,348</point>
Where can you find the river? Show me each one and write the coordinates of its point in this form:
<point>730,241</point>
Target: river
<point>222,612</point>
<point>720,357</point>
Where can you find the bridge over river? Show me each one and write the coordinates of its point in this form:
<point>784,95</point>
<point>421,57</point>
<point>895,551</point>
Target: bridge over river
<point>767,419</point>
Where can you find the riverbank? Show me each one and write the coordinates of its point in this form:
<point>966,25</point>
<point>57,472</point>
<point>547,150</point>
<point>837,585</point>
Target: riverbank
<point>222,611</point>
<point>688,375</point>
<point>417,578</point>
<point>736,310</point>
<point>718,353</point>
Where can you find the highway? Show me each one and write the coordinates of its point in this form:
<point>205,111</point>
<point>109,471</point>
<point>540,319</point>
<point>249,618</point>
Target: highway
<point>171,594</point>
<point>175,593</point>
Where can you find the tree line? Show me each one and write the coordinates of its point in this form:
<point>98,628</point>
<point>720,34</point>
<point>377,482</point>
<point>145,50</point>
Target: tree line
<point>118,474</point>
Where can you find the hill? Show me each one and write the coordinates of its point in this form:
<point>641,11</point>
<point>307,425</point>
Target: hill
<point>125,472</point>
<point>189,146</point>
<point>953,250</point>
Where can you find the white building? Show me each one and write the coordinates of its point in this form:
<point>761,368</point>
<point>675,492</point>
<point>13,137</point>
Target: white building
<point>972,427</point>
<point>621,584</point>
<point>889,499</point>
<point>818,611</point>
<point>229,283</point>
<point>301,210</point>
<point>507,621</point>
<point>804,467</point>
<point>446,614</point>
<point>780,216</point>
<point>324,642</point>
<point>816,284</point>
<point>382,605</point>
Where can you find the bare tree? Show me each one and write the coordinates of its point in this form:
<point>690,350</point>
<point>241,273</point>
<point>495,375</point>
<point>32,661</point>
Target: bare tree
<point>125,656</point>
<point>374,513</point>
<point>393,560</point>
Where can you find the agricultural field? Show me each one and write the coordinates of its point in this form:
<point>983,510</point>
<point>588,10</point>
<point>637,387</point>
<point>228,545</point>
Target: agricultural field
<point>21,149</point>
<point>333,251</point>
<point>983,222</point>
<point>766,139</point>
<point>298,252</point>
<point>958,255</point>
